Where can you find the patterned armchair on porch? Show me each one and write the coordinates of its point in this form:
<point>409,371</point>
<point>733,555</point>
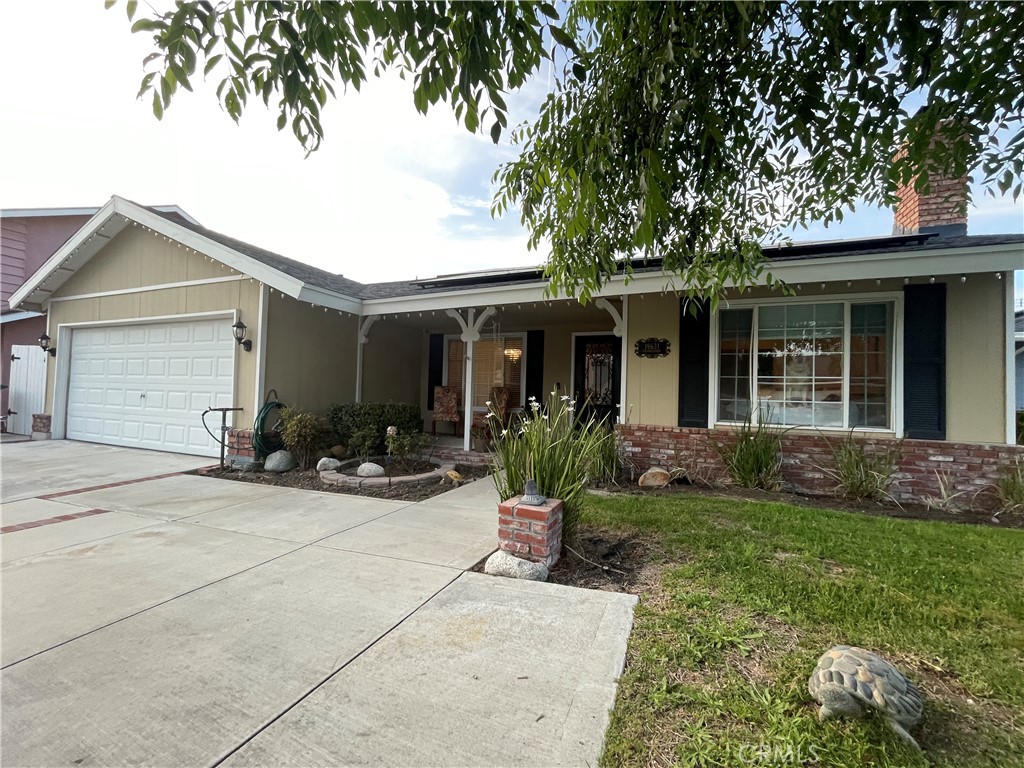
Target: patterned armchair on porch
<point>499,403</point>
<point>446,408</point>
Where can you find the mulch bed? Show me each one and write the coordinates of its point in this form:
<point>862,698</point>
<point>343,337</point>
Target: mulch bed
<point>839,504</point>
<point>309,480</point>
<point>606,559</point>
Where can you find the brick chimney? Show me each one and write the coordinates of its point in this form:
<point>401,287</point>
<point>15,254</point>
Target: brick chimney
<point>942,210</point>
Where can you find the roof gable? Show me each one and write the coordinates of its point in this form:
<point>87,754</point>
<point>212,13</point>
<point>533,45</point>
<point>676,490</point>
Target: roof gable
<point>280,273</point>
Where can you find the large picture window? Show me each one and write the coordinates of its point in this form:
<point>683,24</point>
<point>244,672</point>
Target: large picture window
<point>496,363</point>
<point>815,365</point>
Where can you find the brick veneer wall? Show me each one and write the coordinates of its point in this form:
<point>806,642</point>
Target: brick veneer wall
<point>239,443</point>
<point>967,468</point>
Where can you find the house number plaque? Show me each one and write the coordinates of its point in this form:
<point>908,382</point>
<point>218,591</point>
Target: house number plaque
<point>652,347</point>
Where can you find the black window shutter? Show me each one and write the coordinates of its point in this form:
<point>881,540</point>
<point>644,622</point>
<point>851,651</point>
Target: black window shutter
<point>924,361</point>
<point>535,365</point>
<point>435,367</point>
<point>694,347</point>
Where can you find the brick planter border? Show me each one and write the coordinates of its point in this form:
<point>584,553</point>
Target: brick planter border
<point>967,468</point>
<point>339,478</point>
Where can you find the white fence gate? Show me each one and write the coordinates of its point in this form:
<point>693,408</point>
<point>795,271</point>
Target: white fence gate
<point>27,394</point>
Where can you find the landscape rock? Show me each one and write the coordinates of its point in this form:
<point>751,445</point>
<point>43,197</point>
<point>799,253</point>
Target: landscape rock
<point>339,452</point>
<point>327,465</point>
<point>280,461</point>
<point>655,477</point>
<point>369,469</point>
<point>503,563</point>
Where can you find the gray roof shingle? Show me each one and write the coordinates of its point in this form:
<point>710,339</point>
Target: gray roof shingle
<point>320,278</point>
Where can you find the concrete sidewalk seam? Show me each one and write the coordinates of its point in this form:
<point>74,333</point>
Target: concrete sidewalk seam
<point>329,677</point>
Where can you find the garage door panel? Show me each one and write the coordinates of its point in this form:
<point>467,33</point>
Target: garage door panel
<point>147,385</point>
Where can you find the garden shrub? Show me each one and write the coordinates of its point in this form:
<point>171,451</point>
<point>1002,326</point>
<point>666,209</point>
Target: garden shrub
<point>1020,427</point>
<point>363,426</point>
<point>607,458</point>
<point>1010,488</point>
<point>755,459</point>
<point>556,449</point>
<point>860,474</point>
<point>402,445</point>
<point>303,433</point>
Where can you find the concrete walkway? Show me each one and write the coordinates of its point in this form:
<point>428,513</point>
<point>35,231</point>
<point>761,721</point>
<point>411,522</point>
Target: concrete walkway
<point>184,620</point>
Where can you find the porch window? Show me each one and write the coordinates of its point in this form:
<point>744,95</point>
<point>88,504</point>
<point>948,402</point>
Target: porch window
<point>496,363</point>
<point>823,365</point>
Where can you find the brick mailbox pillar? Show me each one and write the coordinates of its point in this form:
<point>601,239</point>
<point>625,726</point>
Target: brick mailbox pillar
<point>531,532</point>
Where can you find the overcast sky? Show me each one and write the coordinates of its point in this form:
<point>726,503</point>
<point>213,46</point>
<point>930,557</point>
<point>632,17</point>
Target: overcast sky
<point>390,195</point>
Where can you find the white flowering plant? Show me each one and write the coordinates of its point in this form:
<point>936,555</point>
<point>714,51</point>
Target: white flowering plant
<point>554,446</point>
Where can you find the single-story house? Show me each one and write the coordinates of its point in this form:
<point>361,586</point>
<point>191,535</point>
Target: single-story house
<point>28,237</point>
<point>904,335</point>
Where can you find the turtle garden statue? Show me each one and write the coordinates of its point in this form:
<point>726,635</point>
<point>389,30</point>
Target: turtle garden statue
<point>848,680</point>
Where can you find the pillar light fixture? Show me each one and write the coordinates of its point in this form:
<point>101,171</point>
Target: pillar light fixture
<point>44,344</point>
<point>238,330</point>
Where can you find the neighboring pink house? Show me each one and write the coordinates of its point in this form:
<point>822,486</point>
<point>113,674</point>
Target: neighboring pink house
<point>28,237</point>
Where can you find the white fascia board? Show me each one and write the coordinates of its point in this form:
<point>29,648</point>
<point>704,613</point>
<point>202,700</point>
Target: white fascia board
<point>13,317</point>
<point>471,297</point>
<point>35,213</point>
<point>330,299</point>
<point>62,254</point>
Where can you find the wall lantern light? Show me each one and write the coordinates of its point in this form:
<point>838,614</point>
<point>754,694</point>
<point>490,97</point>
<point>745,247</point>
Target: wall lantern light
<point>238,330</point>
<point>44,344</point>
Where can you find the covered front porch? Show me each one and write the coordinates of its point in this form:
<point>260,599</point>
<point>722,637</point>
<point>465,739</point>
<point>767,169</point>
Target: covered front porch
<point>452,362</point>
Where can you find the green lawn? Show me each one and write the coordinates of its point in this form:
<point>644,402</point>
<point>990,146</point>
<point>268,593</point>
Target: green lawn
<point>743,597</point>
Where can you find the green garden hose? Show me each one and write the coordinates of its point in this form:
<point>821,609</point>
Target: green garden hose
<point>265,443</point>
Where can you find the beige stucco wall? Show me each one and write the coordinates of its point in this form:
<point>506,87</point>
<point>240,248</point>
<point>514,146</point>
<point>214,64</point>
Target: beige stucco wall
<point>310,353</point>
<point>975,353</point>
<point>975,359</point>
<point>135,259</point>
<point>393,364</point>
<point>652,385</point>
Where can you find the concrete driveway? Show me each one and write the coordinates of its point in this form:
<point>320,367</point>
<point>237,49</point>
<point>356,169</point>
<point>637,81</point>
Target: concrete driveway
<point>178,620</point>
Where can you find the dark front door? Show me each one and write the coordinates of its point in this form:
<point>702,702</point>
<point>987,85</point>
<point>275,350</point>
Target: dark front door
<point>597,376</point>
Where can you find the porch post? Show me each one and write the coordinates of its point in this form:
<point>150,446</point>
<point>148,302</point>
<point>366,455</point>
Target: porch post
<point>470,333</point>
<point>468,389</point>
<point>362,337</point>
<point>624,325</point>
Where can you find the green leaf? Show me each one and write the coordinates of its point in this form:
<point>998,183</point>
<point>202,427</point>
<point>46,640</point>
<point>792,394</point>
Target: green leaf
<point>212,62</point>
<point>496,132</point>
<point>563,38</point>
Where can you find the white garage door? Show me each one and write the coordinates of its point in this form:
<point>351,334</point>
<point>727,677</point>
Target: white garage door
<point>146,386</point>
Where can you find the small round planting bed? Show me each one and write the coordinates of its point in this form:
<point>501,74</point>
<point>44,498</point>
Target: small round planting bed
<point>346,475</point>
